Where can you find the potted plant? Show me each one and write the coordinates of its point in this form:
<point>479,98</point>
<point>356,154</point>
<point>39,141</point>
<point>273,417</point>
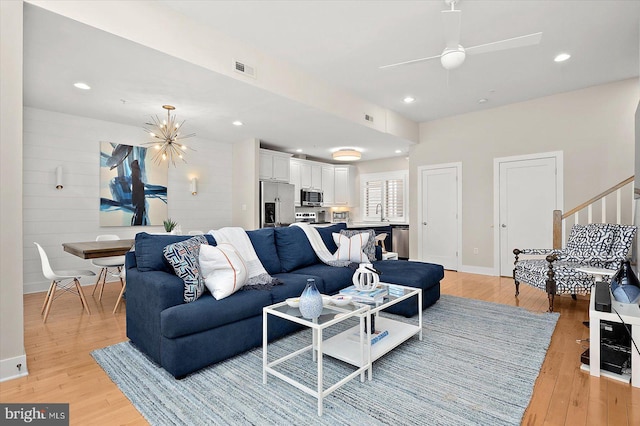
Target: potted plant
<point>169,225</point>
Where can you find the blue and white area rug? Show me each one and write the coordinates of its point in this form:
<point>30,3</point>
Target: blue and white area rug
<point>477,364</point>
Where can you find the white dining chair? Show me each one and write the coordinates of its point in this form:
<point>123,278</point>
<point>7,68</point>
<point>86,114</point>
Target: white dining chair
<point>105,264</point>
<point>57,283</point>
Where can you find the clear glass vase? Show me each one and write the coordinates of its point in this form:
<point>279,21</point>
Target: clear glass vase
<point>311,301</point>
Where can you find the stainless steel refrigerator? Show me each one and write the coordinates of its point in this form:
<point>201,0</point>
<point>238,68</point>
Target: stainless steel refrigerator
<point>276,204</point>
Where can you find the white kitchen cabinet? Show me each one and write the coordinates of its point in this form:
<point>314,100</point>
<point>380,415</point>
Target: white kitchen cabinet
<point>344,186</point>
<point>274,166</point>
<point>294,179</point>
<point>310,175</point>
<point>328,185</point>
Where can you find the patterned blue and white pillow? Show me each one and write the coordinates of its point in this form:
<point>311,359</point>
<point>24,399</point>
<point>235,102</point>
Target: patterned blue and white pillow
<point>622,240</point>
<point>183,256</point>
<point>589,243</point>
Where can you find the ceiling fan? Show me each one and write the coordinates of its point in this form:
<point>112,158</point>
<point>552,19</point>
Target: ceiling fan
<point>454,54</point>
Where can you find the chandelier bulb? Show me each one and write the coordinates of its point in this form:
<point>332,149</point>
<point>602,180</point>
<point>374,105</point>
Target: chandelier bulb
<point>153,135</point>
<point>164,156</point>
<point>184,147</point>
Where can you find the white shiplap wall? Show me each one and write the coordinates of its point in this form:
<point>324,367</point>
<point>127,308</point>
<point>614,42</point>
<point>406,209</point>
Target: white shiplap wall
<point>53,216</point>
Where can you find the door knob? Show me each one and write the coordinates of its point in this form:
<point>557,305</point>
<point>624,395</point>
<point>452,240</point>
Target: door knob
<point>504,226</point>
<point>424,223</point>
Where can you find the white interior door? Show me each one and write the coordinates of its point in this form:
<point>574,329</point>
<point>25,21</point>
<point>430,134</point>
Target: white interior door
<point>530,189</point>
<point>439,216</point>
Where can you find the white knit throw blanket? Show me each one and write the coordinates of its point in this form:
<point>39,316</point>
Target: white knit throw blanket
<point>319,247</point>
<point>239,239</point>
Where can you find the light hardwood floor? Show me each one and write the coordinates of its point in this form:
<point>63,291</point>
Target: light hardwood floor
<point>61,368</point>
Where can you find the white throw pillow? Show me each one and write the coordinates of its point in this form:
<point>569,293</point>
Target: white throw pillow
<point>350,248</point>
<point>223,269</point>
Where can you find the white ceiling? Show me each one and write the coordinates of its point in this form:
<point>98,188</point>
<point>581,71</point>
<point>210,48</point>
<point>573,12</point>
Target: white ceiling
<point>342,43</point>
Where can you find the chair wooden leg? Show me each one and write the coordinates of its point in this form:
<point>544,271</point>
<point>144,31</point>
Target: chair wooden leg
<point>97,281</point>
<point>49,302</point>
<point>81,294</point>
<point>124,286</point>
<point>102,284</point>
<point>46,299</point>
<point>551,296</point>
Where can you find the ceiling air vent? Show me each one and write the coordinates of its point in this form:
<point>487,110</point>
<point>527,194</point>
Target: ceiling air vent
<point>369,118</point>
<point>244,69</point>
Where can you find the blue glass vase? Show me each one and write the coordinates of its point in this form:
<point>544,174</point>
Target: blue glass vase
<point>311,301</point>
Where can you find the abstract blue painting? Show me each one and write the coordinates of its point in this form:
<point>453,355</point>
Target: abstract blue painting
<point>133,190</point>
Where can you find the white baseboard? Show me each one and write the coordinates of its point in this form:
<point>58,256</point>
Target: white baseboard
<point>9,368</point>
<point>35,287</point>
<point>480,270</point>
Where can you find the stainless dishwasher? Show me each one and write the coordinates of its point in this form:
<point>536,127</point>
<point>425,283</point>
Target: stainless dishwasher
<point>400,240</point>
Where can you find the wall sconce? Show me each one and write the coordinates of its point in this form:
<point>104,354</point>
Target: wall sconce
<point>194,186</point>
<point>59,177</point>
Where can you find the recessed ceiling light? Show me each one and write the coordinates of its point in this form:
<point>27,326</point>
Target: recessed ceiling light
<point>83,86</point>
<point>298,150</point>
<point>483,100</point>
<point>562,57</point>
<point>409,99</point>
<point>237,123</point>
<point>398,151</point>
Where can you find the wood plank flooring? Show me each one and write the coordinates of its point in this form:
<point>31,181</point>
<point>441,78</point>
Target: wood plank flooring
<point>62,370</point>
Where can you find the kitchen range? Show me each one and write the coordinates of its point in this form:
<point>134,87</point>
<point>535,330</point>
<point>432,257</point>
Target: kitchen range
<point>311,217</point>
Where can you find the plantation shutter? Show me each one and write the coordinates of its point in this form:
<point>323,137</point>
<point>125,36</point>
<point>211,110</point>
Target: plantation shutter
<point>373,196</point>
<point>394,199</point>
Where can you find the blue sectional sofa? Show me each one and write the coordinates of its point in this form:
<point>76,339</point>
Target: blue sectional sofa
<point>185,337</point>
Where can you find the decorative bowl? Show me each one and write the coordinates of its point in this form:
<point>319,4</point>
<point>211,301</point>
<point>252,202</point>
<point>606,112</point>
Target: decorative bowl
<point>340,300</point>
<point>294,302</point>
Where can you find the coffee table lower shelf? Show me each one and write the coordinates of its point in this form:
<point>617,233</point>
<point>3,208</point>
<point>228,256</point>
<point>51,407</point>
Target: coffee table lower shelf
<point>345,346</point>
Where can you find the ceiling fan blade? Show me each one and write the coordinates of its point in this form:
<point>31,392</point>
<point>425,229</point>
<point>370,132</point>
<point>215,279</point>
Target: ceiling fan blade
<point>510,43</point>
<point>451,23</point>
<point>413,61</point>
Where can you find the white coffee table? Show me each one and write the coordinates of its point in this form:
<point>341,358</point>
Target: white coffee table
<point>331,315</point>
<point>352,346</point>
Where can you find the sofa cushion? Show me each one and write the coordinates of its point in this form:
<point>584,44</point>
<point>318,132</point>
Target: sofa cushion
<point>327,237</point>
<point>207,313</point>
<point>183,257</point>
<point>264,243</point>
<point>369,246</point>
<point>292,286</point>
<point>223,269</point>
<point>294,248</point>
<point>333,278</point>
<point>409,273</point>
<point>149,250</point>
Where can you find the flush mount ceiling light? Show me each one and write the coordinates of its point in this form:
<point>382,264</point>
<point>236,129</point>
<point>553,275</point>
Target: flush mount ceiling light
<point>347,155</point>
<point>237,123</point>
<point>409,99</point>
<point>562,57</point>
<point>166,131</point>
<point>81,85</point>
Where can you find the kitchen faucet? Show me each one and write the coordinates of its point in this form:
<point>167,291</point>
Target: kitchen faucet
<point>379,206</point>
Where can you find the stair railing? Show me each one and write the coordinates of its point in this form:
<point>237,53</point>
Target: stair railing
<point>559,217</point>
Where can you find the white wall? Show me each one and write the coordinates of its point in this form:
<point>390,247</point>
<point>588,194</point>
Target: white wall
<point>53,216</point>
<point>12,351</point>
<point>245,184</point>
<point>593,127</point>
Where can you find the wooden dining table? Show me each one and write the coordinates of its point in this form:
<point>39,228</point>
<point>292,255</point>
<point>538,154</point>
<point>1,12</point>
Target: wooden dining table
<point>97,249</point>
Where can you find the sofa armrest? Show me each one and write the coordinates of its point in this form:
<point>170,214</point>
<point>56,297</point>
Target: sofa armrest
<point>148,294</point>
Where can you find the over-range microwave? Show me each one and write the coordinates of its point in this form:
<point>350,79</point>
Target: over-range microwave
<point>311,197</point>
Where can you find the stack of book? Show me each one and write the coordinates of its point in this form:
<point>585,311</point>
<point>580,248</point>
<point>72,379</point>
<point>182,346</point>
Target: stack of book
<point>376,336</point>
<point>372,296</point>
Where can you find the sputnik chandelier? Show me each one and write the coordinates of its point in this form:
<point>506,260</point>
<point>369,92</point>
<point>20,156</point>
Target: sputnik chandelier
<point>167,131</point>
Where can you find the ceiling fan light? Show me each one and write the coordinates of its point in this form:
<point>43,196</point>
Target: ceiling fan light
<point>347,155</point>
<point>452,58</point>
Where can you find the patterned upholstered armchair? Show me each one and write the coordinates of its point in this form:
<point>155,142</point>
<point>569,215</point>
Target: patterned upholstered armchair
<point>596,245</point>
